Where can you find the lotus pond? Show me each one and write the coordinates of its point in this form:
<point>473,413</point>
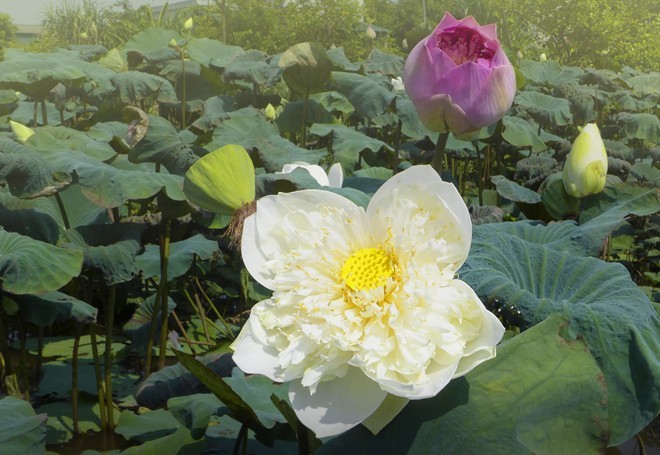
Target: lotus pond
<point>166,214</point>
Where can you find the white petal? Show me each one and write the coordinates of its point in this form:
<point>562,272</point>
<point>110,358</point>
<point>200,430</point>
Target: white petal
<point>290,221</point>
<point>438,380</point>
<point>418,192</point>
<point>253,257</point>
<point>337,405</point>
<point>388,410</point>
<point>336,176</point>
<point>252,355</point>
<point>482,348</point>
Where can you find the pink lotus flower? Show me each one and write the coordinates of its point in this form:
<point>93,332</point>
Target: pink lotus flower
<point>458,77</point>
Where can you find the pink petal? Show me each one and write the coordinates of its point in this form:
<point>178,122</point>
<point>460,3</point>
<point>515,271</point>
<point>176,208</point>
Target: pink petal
<point>439,113</point>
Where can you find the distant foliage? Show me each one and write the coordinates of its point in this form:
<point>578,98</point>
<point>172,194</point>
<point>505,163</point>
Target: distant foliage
<point>272,26</point>
<point>7,30</point>
<point>72,23</point>
<point>600,33</point>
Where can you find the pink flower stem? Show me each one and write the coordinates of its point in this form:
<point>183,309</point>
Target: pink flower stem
<point>438,162</point>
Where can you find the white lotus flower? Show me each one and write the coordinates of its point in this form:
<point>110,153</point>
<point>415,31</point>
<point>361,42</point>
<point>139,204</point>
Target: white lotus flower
<point>366,312</point>
<point>334,178</point>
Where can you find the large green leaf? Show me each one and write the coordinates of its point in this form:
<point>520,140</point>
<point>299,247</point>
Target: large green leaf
<point>108,248</point>
<point>151,39</point>
<point>182,255</point>
<point>610,207</point>
<point>257,391</point>
<point>290,119</point>
<point>541,394</point>
<point>545,109</point>
<point>110,186</point>
<point>236,404</point>
<point>176,380</point>
<point>249,66</point>
<point>605,307</point>
<point>252,131</point>
<point>521,133</point>
<point>28,217</point>
<point>60,420</point>
<point>369,98</point>
<point>21,430</point>
<point>37,74</point>
<point>138,327</point>
<point>28,266</point>
<point>306,68</point>
<point>334,101</point>
<point>206,51</point>
<point>640,126</point>
<point>147,425</point>
<point>348,143</point>
<point>136,86</point>
<point>221,181</point>
<point>512,191</point>
<point>549,73</point>
<point>59,137</point>
<point>31,173</point>
<point>162,144</point>
<point>56,380</point>
<point>47,309</point>
<point>195,411</point>
<point>385,64</point>
<point>26,173</point>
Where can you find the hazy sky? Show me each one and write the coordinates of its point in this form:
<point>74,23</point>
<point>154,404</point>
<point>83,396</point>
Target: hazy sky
<point>30,12</point>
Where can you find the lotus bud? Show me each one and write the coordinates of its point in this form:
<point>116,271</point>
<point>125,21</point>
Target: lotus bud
<point>519,54</point>
<point>459,78</point>
<point>404,44</point>
<point>543,58</point>
<point>371,33</point>
<point>188,24</point>
<point>270,112</point>
<point>173,43</point>
<point>84,35</point>
<point>585,169</point>
<point>21,132</point>
<point>397,84</point>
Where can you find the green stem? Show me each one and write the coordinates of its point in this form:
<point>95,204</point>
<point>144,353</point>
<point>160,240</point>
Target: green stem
<point>303,439</point>
<point>100,386</point>
<point>230,334</point>
<point>74,380</point>
<point>40,349</point>
<point>35,122</point>
<point>438,162</point>
<point>44,113</point>
<point>480,171</point>
<point>397,147</point>
<point>109,321</point>
<point>60,204</point>
<point>22,363</point>
<point>163,294</point>
<point>241,440</point>
<point>183,90</point>
<point>196,304</point>
<point>5,366</point>
<point>303,127</point>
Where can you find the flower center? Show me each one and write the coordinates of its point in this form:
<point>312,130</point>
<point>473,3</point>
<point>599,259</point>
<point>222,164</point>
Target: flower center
<point>463,44</point>
<point>367,268</point>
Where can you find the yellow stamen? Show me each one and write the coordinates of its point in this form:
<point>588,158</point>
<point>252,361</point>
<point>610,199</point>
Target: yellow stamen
<point>367,268</point>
